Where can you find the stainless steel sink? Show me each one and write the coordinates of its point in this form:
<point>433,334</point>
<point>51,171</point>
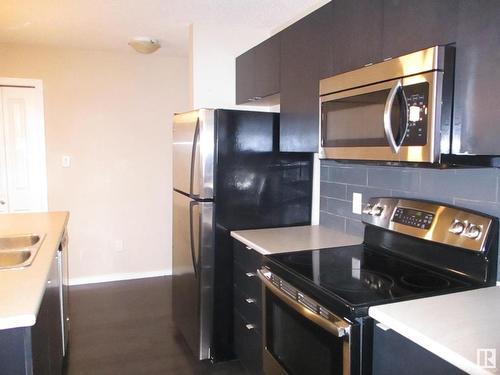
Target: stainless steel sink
<point>19,241</point>
<point>16,258</point>
<point>19,251</point>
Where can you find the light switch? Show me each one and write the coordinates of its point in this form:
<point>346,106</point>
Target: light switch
<point>66,161</point>
<point>357,203</point>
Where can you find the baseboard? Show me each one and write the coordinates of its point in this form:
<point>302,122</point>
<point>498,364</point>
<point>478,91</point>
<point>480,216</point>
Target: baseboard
<point>117,277</point>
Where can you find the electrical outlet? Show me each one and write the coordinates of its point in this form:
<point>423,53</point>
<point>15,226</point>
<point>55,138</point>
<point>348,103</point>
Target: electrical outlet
<point>66,161</point>
<point>118,246</point>
<point>357,203</point>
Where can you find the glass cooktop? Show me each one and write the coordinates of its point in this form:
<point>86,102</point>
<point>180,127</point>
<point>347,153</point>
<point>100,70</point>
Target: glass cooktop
<point>361,276</point>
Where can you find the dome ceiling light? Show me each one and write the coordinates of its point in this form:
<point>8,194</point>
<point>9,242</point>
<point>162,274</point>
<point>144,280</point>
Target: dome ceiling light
<point>144,44</point>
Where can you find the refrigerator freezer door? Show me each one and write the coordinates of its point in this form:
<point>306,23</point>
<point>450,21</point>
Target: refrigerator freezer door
<point>194,145</point>
<point>192,264</point>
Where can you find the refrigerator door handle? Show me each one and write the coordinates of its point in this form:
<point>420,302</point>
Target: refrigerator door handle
<point>191,237</point>
<point>196,138</point>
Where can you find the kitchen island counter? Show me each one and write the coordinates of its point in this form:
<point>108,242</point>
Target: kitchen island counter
<point>22,289</point>
<point>452,326</point>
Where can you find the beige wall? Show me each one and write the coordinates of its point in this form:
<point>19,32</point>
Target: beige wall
<point>111,112</point>
<point>214,49</point>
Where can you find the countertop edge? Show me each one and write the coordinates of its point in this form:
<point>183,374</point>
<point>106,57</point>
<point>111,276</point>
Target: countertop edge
<point>249,243</point>
<point>425,342</point>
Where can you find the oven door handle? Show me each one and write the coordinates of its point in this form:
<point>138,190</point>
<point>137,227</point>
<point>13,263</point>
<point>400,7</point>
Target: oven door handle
<point>387,117</point>
<point>337,326</point>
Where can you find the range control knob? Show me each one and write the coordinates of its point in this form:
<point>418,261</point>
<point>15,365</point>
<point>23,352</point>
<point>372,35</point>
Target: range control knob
<point>377,210</point>
<point>457,227</point>
<point>473,231</point>
<point>368,209</point>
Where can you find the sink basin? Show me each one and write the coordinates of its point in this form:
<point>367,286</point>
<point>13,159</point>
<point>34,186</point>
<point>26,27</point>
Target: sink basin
<point>11,259</point>
<point>19,251</point>
<point>19,241</point>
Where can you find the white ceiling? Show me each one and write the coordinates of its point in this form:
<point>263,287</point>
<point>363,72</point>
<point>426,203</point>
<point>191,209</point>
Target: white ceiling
<point>108,24</point>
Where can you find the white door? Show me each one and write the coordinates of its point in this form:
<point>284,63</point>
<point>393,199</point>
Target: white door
<point>23,184</point>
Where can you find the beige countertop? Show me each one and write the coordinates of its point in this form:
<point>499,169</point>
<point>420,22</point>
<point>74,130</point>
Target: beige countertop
<point>452,326</point>
<point>282,240</point>
<point>21,290</point>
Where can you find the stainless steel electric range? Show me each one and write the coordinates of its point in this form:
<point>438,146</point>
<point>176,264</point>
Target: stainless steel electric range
<point>316,302</point>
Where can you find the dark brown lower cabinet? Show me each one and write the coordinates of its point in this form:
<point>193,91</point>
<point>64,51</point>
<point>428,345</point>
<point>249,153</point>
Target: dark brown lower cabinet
<point>36,350</point>
<point>394,354</point>
<point>247,296</point>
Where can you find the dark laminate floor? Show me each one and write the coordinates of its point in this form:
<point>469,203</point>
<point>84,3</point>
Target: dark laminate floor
<point>126,328</point>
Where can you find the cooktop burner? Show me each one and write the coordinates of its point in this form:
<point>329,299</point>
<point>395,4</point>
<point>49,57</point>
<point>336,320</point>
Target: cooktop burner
<point>362,276</point>
<point>358,280</point>
<point>422,281</point>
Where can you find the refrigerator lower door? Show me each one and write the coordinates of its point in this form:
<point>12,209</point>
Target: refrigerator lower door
<point>193,153</point>
<point>192,263</point>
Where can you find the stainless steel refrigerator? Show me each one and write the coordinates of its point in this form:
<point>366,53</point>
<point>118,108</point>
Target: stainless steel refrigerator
<point>228,175</point>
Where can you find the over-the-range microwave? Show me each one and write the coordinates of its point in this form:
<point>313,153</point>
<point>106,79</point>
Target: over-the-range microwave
<point>396,111</point>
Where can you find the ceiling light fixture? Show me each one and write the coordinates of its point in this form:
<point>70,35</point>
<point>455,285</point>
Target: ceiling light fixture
<point>144,44</point>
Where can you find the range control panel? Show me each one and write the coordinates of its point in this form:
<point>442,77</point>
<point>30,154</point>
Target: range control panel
<point>413,218</point>
<point>430,221</point>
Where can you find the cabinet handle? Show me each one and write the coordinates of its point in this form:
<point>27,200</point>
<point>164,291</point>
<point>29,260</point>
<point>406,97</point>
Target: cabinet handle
<point>248,248</point>
<point>250,300</point>
<point>250,326</point>
<point>251,274</point>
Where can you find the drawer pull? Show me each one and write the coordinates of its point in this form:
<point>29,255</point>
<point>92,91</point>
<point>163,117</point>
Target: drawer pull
<point>251,274</point>
<point>250,326</point>
<point>248,248</point>
<point>250,300</point>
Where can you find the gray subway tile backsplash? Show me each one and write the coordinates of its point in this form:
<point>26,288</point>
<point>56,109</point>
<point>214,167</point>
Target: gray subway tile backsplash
<point>476,189</point>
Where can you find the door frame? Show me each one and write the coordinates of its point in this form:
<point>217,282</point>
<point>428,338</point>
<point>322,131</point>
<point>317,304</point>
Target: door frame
<point>35,84</point>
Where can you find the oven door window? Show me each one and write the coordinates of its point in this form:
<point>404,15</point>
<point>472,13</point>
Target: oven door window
<point>300,346</point>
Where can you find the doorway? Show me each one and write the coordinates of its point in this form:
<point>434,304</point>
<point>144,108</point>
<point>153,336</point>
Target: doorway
<point>23,171</point>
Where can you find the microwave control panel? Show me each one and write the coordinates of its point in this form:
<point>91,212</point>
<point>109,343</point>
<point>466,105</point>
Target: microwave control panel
<point>417,97</point>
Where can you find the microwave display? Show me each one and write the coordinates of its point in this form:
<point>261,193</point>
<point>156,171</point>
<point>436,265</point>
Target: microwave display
<point>354,121</point>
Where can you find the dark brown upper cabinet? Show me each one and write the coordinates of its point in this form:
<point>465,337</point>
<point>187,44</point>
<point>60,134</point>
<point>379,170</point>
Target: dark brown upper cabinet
<point>305,59</point>
<point>258,71</point>
<point>412,25</point>
<point>357,34</point>
<point>476,112</point>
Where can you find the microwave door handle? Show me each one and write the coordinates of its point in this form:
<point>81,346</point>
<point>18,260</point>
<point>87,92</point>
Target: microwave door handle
<point>387,117</point>
<point>196,137</point>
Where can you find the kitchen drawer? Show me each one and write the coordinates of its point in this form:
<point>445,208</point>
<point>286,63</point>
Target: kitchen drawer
<point>248,259</point>
<point>248,283</point>
<point>248,345</point>
<point>248,307</point>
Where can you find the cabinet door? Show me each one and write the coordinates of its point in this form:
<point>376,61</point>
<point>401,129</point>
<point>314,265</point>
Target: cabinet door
<point>394,354</point>
<point>357,33</point>
<point>267,67</point>
<point>477,79</point>
<point>411,25</point>
<point>245,77</point>
<point>305,46</point>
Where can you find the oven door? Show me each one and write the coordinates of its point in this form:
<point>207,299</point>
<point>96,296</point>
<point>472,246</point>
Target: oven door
<point>297,338</point>
<point>397,120</point>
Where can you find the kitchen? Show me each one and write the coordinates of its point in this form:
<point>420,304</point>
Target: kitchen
<point>111,162</point>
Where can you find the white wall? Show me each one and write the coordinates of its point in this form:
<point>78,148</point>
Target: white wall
<point>111,112</point>
<point>214,48</point>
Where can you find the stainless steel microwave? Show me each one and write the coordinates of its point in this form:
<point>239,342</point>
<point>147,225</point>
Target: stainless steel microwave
<point>398,110</point>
